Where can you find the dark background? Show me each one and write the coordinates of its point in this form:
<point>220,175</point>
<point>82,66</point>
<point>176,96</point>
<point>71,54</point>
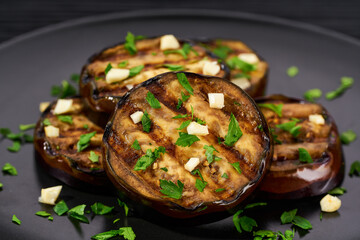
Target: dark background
<point>21,16</point>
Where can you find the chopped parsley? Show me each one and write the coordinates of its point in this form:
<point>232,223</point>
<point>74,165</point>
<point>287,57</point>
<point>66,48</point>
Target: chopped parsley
<point>199,121</point>
<point>130,43</point>
<point>149,158</point>
<point>15,147</point>
<point>136,70</point>
<point>151,99</point>
<point>170,189</point>
<point>78,213</point>
<point>355,169</point>
<point>225,175</point>
<point>123,64</point>
<point>236,165</point>
<point>292,71</point>
<point>222,51</point>
<point>200,185</point>
<point>252,205</point>
<point>347,137</point>
<point>173,67</point>
<point>302,223</point>
<point>290,127</point>
<point>288,217</point>
<point>346,82</point>
<point>108,68</point>
<point>209,153</point>
<point>50,218</point>
<point>75,78</point>
<point>93,157</point>
<point>42,214</point>
<point>234,132</point>
<point>243,223</point>
<point>63,91</point>
<point>16,220</point>
<point>25,127</point>
<point>237,63</point>
<point>47,122</point>
<point>180,116</point>
<point>1,186</point>
<point>185,83</point>
<point>186,140</point>
<point>304,156</point>
<point>9,169</point>
<point>183,99</point>
<point>65,119</point>
<point>146,122</point>
<point>127,233</point>
<point>61,208</point>
<point>124,205</point>
<point>219,190</point>
<point>288,235</point>
<point>337,191</point>
<point>101,209</point>
<point>266,235</point>
<point>86,126</point>
<point>184,125</point>
<point>274,136</point>
<point>84,141</point>
<point>276,108</point>
<point>164,169</point>
<point>184,51</point>
<point>116,220</point>
<point>136,145</point>
<point>312,94</point>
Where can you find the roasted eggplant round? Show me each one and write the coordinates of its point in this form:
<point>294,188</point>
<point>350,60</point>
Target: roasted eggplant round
<point>307,158</point>
<point>68,139</point>
<point>248,70</point>
<point>187,144</point>
<point>109,74</point>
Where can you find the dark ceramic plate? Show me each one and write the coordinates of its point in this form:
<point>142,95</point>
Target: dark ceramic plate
<point>32,63</point>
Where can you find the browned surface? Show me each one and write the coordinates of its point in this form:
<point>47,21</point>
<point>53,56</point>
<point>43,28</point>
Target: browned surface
<point>288,177</point>
<point>61,152</point>
<point>103,96</point>
<point>251,150</point>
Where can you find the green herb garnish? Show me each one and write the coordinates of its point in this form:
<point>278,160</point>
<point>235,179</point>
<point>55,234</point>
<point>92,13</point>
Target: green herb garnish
<point>302,223</point>
<point>9,169</point>
<point>199,121</point>
<point>225,175</point>
<point>186,140</point>
<point>346,82</point>
<point>47,122</point>
<point>236,165</point>
<point>180,116</point>
<point>184,125</point>
<point>124,205</point>
<point>146,122</point>
<point>292,71</point>
<point>234,132</point>
<point>219,190</point>
<point>200,185</point>
<point>185,83</point>
<point>63,91</point>
<point>183,99</point>
<point>347,137</point>
<point>25,127</point>
<point>123,64</point>
<point>151,99</point>
<point>288,217</point>
<point>237,63</point>
<point>75,78</point>
<point>355,169</point>
<point>136,70</point>
<point>101,209</point>
<point>304,156</point>
<point>130,43</point>
<point>65,119</point>
<point>149,158</point>
<point>86,126</point>
<point>173,67</point>
<point>42,214</point>
<point>16,220</point>
<point>170,189</point>
<point>243,223</point>
<point>93,157</point>
<point>252,205</point>
<point>337,191</point>
<point>222,51</point>
<point>61,208</point>
<point>164,169</point>
<point>116,220</point>
<point>136,145</point>
<point>78,213</point>
<point>209,153</point>
<point>84,141</point>
<point>127,233</point>
<point>290,127</point>
<point>50,218</point>
<point>276,108</point>
<point>15,147</point>
<point>312,94</point>
<point>184,51</point>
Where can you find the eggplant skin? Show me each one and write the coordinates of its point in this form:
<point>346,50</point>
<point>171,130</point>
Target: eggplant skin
<point>102,96</point>
<point>258,78</point>
<point>252,151</point>
<point>288,178</point>
<point>59,156</point>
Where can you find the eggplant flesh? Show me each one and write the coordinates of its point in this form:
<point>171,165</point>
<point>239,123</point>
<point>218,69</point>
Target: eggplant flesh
<point>103,96</point>
<point>257,79</point>
<point>252,151</point>
<point>59,155</point>
<point>288,177</point>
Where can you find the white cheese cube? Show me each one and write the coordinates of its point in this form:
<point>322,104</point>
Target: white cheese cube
<point>216,100</point>
<point>129,86</point>
<point>51,131</point>
<point>117,75</point>
<point>43,106</point>
<point>243,83</point>
<point>211,68</point>
<point>50,195</point>
<point>197,129</point>
<point>249,58</point>
<point>191,164</point>
<point>168,42</point>
<point>63,106</point>
<point>317,119</point>
<point>330,203</point>
<point>136,116</point>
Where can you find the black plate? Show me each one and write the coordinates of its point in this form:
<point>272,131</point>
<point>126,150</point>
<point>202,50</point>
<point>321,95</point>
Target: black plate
<point>32,63</point>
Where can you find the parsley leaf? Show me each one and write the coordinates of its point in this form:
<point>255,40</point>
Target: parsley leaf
<point>355,169</point>
<point>50,218</point>
<point>146,122</point>
<point>183,99</point>
<point>222,51</point>
<point>243,223</point>
<point>288,217</point>
<point>184,51</point>
<point>93,157</point>
<point>347,137</point>
<point>164,169</point>
<point>106,235</point>
<point>275,108</point>
<point>236,165</point>
<point>292,71</point>
<point>101,209</point>
<point>151,99</point>
<point>199,121</point>
<point>237,63</point>
<point>170,189</point>
<point>47,122</point>
<point>148,159</point>
<point>136,145</point>
<point>224,175</point>
<point>337,191</point>
<point>312,94</point>
<point>302,223</point>
<point>9,169</point>
<point>84,141</point>
<point>234,132</point>
<point>127,233</point>
<point>304,156</point>
<point>78,213</point>
<point>130,43</point>
<point>123,204</point>
<point>185,83</point>
<point>1,186</point>
<point>63,91</point>
<point>123,64</point>
<point>219,190</point>
<point>265,234</point>
<point>65,119</point>
<point>136,70</point>
<point>186,140</point>
<point>200,185</point>
<point>61,208</point>
<point>5,131</point>
<point>290,127</point>
<point>288,235</point>
<point>346,82</point>
<point>252,205</point>
<point>42,214</point>
<point>209,153</point>
<point>25,127</point>
<point>180,116</point>
<point>173,67</point>
<point>108,68</point>
<point>75,78</point>
<point>15,147</point>
<point>16,220</point>
<point>184,125</point>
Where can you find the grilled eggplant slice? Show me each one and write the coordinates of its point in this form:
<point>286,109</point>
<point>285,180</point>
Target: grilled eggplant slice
<point>102,94</point>
<point>248,70</point>
<point>135,158</point>
<point>307,126</point>
<point>59,151</point>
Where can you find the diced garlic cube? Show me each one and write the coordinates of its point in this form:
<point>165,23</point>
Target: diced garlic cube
<point>50,195</point>
<point>168,42</point>
<point>117,75</point>
<point>317,119</point>
<point>191,164</point>
<point>249,58</point>
<point>63,106</point>
<point>330,203</point>
<point>129,86</point>
<point>211,68</point>
<point>216,100</point>
<point>197,129</point>
<point>243,83</point>
<point>43,106</point>
<point>51,131</point>
<point>136,116</point>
